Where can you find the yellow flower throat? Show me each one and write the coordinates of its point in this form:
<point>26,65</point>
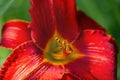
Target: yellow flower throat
<point>59,51</point>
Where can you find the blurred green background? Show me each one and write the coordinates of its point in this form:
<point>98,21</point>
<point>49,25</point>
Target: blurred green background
<point>105,12</point>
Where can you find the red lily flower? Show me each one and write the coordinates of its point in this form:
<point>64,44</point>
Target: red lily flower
<point>59,44</point>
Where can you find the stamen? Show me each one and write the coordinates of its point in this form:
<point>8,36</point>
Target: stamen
<point>57,39</point>
<point>69,49</point>
<point>63,46</point>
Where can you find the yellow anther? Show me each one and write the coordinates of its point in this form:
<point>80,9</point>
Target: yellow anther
<point>63,43</point>
<point>58,40</point>
<point>64,46</point>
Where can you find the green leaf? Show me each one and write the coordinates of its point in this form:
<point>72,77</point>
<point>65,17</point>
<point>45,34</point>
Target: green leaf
<point>4,5</point>
<point>3,54</point>
<point>115,10</point>
<point>92,9</point>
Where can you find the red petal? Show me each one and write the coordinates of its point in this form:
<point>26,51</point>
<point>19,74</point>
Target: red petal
<point>46,71</point>
<point>66,21</point>
<point>21,62</point>
<point>69,76</point>
<point>15,32</point>
<point>86,22</point>
<point>99,56</point>
<point>79,69</point>
<point>42,22</point>
<point>49,16</point>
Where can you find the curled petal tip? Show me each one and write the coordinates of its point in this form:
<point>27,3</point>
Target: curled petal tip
<point>15,32</point>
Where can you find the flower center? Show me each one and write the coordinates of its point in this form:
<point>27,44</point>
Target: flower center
<point>59,51</point>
